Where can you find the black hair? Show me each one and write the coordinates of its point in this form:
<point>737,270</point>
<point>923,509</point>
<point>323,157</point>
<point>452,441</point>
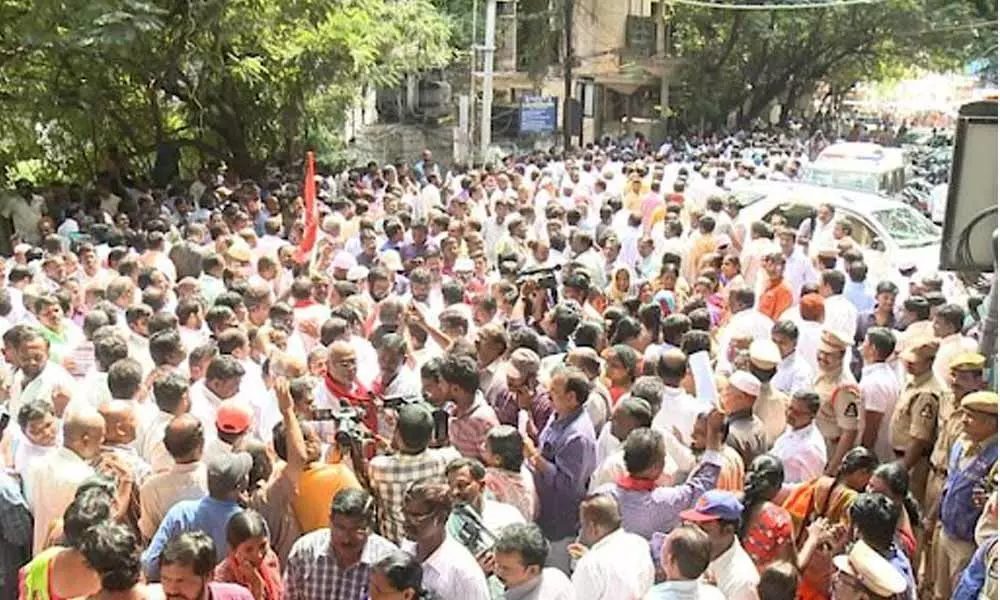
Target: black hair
<point>642,448</point>
<point>89,507</point>
<point>743,297</point>
<point>763,480</point>
<point>404,572</point>
<point>461,371</point>
<point>810,398</point>
<point>476,468</point>
<point>674,327</point>
<point>34,410</point>
<point>897,479</point>
<point>691,548</point>
<point>245,525</point>
<point>886,287</point>
<point>168,391</point>
<point>919,306</point>
<point>353,504</point>
<point>876,517</point>
<point>332,330</point>
<point>164,345</point>
<point>696,341</point>
<point>835,279</point>
<point>786,328</point>
<point>109,349</point>
<point>125,379</point>
<point>526,540</point>
<point>194,548</point>
<point>587,334</point>
<point>507,444</point>
<point>883,340</point>
<point>224,367</point>
<point>415,426</point>
<point>112,550</point>
<point>627,328</point>
<point>953,315</point>
<point>567,316</point>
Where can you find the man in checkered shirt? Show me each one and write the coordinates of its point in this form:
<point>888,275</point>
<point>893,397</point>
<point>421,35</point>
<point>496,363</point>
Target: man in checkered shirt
<point>390,475</point>
<point>335,563</point>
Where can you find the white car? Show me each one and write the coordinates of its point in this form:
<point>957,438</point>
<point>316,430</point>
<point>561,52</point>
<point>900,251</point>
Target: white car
<point>889,232</point>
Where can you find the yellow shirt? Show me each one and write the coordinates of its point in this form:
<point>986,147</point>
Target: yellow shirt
<point>317,487</point>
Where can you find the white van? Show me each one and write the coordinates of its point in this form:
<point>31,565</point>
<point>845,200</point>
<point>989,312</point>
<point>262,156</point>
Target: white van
<point>858,167</point>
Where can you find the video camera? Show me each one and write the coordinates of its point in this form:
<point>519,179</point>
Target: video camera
<point>473,533</point>
<point>543,277</point>
<point>349,427</point>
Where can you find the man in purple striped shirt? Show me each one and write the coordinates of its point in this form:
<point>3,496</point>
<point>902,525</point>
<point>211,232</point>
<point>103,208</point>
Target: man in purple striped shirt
<point>563,464</point>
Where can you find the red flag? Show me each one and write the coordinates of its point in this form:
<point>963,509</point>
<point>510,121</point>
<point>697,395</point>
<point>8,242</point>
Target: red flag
<point>312,216</point>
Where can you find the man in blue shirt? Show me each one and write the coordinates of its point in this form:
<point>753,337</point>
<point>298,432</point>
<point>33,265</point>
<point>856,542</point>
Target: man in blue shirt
<point>228,480</point>
<point>564,462</point>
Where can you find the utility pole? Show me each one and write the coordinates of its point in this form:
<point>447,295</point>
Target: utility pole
<point>567,73</point>
<point>662,52</point>
<point>486,123</point>
<point>469,131</point>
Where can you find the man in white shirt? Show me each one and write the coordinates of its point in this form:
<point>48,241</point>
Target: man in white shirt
<point>185,479</point>
<point>37,377</point>
<point>718,514</point>
<point>222,382</point>
<point>616,565</point>
<point>880,388</point>
<point>801,447</point>
<point>794,373</point>
<point>679,410</point>
<point>51,482</point>
<point>450,571</point>
<point>745,319</point>
<point>840,313</point>
<point>948,322</point>
<point>520,554</point>
<point>798,268</point>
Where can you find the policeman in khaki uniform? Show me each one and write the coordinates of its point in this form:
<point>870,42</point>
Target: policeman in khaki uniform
<point>771,402</point>
<point>972,464</point>
<point>966,377</point>
<point>839,416</point>
<point>913,428</point>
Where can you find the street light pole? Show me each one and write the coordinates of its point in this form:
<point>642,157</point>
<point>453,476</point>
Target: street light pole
<point>567,73</point>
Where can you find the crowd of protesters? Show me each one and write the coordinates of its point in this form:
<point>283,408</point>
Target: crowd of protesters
<point>556,377</point>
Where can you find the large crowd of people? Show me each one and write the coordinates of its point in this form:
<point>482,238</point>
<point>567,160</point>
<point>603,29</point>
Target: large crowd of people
<point>561,376</point>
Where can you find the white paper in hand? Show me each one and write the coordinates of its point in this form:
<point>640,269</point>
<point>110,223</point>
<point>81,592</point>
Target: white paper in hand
<point>704,380</point>
<point>522,422</point>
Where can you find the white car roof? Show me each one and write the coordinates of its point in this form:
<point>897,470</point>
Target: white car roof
<point>777,192</point>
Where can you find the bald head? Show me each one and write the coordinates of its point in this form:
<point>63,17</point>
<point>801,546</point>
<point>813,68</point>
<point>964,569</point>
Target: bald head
<point>600,511</point>
<point>286,365</point>
<point>184,439</point>
<point>83,432</point>
<point>119,421</point>
<point>673,366</point>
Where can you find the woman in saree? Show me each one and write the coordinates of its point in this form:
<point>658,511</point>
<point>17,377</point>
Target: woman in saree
<point>827,498</point>
<point>766,531</point>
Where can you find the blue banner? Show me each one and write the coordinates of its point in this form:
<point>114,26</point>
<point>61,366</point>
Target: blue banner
<point>538,114</point>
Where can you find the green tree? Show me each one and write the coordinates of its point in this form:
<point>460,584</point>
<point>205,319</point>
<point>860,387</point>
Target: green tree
<point>240,80</point>
<point>743,61</point>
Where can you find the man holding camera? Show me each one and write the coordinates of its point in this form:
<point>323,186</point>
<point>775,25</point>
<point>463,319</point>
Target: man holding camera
<point>391,474</point>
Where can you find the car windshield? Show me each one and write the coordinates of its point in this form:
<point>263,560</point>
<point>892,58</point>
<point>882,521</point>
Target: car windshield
<point>908,227</point>
<point>855,181</point>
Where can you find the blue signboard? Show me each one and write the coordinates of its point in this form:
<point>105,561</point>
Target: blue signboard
<point>538,114</point>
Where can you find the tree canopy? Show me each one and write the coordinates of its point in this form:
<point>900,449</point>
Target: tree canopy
<point>742,61</point>
<point>239,80</point>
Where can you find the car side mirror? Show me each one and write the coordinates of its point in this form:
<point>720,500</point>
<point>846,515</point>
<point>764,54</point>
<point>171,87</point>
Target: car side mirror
<point>878,245</point>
